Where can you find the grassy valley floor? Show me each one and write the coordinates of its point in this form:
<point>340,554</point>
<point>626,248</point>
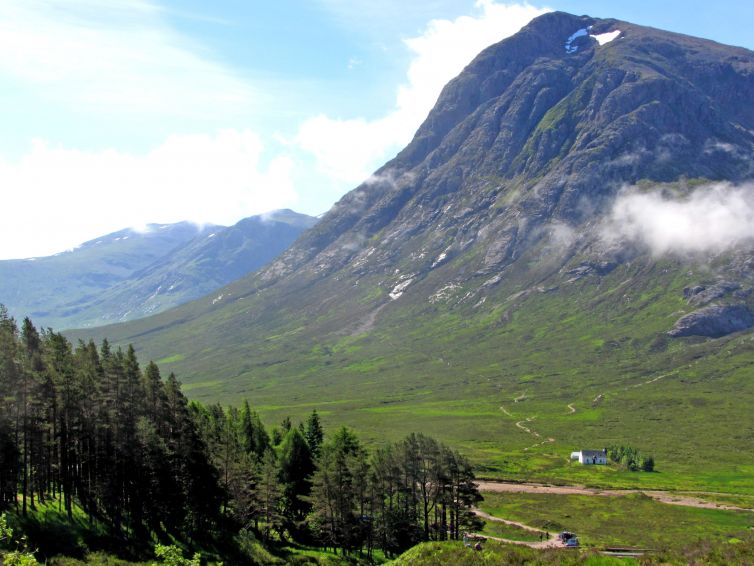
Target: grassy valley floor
<point>633,520</point>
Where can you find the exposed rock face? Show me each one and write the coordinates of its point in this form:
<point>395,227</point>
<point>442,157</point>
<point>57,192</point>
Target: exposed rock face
<point>530,134</point>
<point>701,295</point>
<point>714,321</point>
<point>504,186</point>
<point>591,268</point>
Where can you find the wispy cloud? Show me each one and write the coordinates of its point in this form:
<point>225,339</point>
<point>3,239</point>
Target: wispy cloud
<point>114,56</point>
<point>711,219</point>
<point>203,178</point>
<point>348,150</point>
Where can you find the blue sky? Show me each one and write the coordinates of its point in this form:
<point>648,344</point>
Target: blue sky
<point>119,113</point>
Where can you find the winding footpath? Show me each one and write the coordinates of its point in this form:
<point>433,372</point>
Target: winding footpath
<point>551,542</point>
<point>526,429</point>
<point>667,497</point>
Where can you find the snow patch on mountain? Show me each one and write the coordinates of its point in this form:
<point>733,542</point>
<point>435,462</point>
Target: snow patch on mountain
<point>444,293</point>
<point>441,258</point>
<point>400,288</point>
<point>604,38</point>
<point>569,46</point>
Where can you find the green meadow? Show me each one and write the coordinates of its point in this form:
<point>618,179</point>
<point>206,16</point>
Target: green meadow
<point>631,520</point>
<point>515,382</point>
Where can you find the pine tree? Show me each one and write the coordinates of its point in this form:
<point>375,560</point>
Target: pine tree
<point>253,434</point>
<point>314,432</point>
<point>337,494</point>
<point>269,495</point>
<point>9,380</point>
<point>32,368</point>
<point>63,397</point>
<point>296,467</point>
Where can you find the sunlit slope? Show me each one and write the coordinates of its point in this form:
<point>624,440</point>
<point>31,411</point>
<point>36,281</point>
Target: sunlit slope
<point>131,274</point>
<point>468,289</point>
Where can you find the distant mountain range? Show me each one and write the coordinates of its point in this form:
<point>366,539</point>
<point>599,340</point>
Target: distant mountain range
<point>130,274</point>
<point>515,279</point>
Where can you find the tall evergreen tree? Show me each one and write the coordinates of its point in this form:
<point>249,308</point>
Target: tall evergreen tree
<point>337,491</point>
<point>314,432</point>
<point>269,495</point>
<point>9,381</point>
<point>296,467</point>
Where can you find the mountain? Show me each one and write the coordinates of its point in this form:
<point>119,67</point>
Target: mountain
<point>200,266</point>
<point>129,274</point>
<point>43,287</point>
<point>511,281</point>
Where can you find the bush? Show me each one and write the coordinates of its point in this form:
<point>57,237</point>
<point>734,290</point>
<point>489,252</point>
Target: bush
<point>171,555</point>
<point>631,459</point>
<point>21,555</point>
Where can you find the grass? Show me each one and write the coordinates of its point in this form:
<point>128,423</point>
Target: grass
<point>99,558</point>
<point>301,554</point>
<point>58,541</point>
<point>171,359</point>
<point>494,553</point>
<point>510,532</point>
<point>448,371</point>
<point>631,520</point>
<point>52,534</point>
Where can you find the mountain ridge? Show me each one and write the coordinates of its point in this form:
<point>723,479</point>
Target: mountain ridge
<point>471,269</point>
<point>132,273</point>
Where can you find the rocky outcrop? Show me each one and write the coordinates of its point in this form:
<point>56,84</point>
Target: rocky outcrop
<point>531,134</point>
<point>504,188</point>
<point>701,295</point>
<point>714,321</point>
<point>591,268</point>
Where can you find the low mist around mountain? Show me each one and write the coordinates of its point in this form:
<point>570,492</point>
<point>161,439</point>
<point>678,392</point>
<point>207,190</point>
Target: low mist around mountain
<point>562,257</point>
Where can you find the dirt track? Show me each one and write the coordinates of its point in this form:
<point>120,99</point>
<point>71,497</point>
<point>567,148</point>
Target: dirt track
<point>551,542</point>
<point>668,497</point>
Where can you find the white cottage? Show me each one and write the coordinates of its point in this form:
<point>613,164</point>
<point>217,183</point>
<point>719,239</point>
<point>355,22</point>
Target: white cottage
<point>590,456</point>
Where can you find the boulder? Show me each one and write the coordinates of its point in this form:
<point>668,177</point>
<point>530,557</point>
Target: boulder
<point>714,321</point>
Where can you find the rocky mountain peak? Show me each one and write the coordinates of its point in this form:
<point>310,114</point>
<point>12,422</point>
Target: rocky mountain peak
<point>543,129</point>
<point>473,274</point>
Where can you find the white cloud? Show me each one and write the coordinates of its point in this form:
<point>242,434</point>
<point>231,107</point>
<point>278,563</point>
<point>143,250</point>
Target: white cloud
<point>349,149</point>
<point>103,60</point>
<point>62,197</point>
<point>711,219</point>
<point>113,56</point>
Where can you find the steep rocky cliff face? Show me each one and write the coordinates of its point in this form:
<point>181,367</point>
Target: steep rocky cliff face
<point>531,134</point>
<point>525,150</point>
<point>475,263</point>
<point>534,139</point>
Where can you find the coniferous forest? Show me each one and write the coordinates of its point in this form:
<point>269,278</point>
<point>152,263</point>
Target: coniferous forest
<point>90,429</point>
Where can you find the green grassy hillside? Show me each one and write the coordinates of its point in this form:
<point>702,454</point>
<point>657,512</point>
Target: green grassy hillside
<point>493,553</point>
<point>131,274</point>
<point>479,377</point>
<point>52,289</point>
<point>468,289</point>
